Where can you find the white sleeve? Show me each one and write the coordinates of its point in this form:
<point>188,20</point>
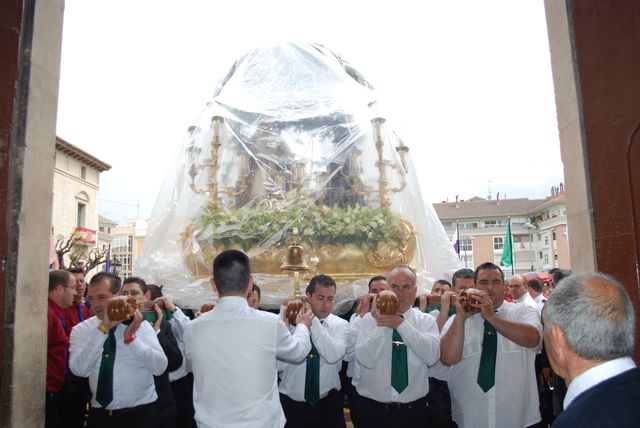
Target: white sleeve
<point>354,326</point>
<point>148,351</point>
<point>424,339</point>
<point>292,347</point>
<point>178,322</point>
<point>85,351</point>
<point>370,342</point>
<point>331,342</point>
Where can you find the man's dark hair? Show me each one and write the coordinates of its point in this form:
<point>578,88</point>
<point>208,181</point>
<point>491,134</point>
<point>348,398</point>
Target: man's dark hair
<point>487,266</point>
<point>323,280</point>
<point>58,277</point>
<point>535,284</point>
<point>441,281</point>
<point>76,270</point>
<point>559,274</point>
<point>231,272</point>
<point>136,280</point>
<point>376,278</point>
<point>462,273</point>
<point>155,291</point>
<point>256,289</point>
<point>112,279</point>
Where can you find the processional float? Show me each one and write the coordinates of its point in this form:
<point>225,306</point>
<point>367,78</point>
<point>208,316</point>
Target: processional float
<point>293,140</point>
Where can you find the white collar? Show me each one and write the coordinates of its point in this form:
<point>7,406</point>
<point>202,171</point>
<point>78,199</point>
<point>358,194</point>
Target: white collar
<point>232,301</point>
<point>595,375</point>
<point>408,311</point>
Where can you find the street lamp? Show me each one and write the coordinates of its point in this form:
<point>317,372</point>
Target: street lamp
<point>533,253</point>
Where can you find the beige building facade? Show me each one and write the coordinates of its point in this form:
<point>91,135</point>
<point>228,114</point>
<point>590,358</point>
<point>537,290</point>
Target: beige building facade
<point>538,228</point>
<point>76,183</point>
<point>126,246</point>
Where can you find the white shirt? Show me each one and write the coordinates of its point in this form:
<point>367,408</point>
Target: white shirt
<point>350,354</point>
<point>178,322</point>
<point>513,401</point>
<point>373,352</point>
<point>232,352</point>
<point>438,370</point>
<point>595,375</point>
<point>134,367</point>
<point>526,299</point>
<point>330,339</point>
<point>540,301</point>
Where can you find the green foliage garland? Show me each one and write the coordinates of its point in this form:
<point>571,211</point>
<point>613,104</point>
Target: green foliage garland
<point>248,227</point>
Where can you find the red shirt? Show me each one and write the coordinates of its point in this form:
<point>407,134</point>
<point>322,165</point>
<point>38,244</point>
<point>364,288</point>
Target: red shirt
<point>74,315</point>
<point>57,349</point>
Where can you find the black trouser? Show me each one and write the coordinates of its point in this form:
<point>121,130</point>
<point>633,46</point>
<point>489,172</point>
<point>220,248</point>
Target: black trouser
<point>439,403</point>
<point>350,390</point>
<point>135,417</point>
<point>373,414</point>
<point>52,410</point>
<point>545,396</point>
<point>327,413</point>
<point>183,396</point>
<point>76,396</point>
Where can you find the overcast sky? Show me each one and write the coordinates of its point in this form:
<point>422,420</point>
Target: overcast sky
<point>466,84</point>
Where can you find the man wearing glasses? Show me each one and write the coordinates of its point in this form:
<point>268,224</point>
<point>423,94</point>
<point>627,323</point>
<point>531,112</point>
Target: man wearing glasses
<point>62,290</point>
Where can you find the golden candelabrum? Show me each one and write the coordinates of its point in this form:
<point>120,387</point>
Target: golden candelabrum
<point>212,166</point>
<point>381,164</point>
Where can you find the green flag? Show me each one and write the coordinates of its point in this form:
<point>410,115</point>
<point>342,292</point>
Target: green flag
<point>507,251</point>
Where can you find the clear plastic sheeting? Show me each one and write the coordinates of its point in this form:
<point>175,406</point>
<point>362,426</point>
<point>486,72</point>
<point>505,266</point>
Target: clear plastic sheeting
<point>292,138</point>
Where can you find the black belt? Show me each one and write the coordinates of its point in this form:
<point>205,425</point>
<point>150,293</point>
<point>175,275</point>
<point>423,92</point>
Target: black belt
<point>396,405</point>
<point>120,412</point>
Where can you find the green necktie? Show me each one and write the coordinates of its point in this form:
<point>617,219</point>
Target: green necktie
<point>487,369</point>
<point>399,369</point>
<point>312,377</point>
<point>104,391</point>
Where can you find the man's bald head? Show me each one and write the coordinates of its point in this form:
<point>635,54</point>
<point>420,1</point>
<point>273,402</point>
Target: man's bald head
<point>517,286</point>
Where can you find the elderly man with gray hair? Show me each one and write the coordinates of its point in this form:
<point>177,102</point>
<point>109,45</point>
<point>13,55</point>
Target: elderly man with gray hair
<point>589,332</point>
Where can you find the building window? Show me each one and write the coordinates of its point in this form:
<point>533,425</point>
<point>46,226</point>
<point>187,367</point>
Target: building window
<point>545,259</point>
<point>540,254</point>
<point>83,172</point>
<point>121,244</point>
<point>471,225</point>
<point>546,239</point>
<point>495,223</point>
<point>81,214</point>
<point>539,237</point>
<point>498,243</point>
<point>519,221</point>
<point>466,245</point>
<point>554,235</point>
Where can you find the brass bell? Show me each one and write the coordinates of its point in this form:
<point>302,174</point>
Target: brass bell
<point>295,256</point>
